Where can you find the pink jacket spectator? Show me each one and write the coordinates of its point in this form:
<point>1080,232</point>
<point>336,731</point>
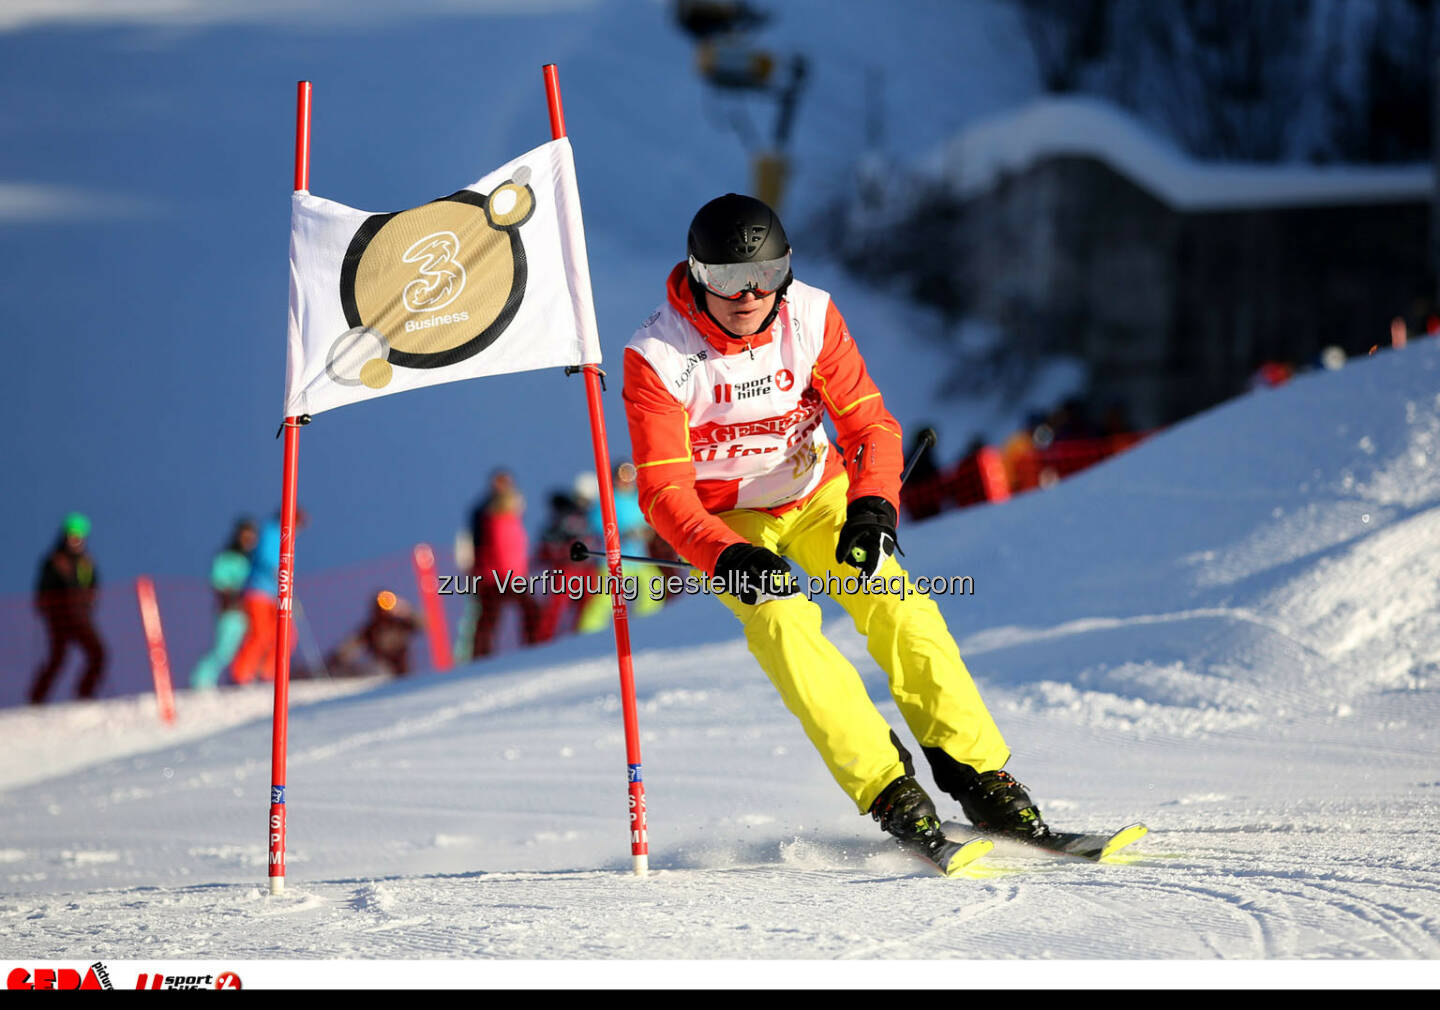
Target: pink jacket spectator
<point>503,546</point>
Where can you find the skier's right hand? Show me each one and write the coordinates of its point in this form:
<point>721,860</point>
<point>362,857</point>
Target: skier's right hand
<point>755,574</point>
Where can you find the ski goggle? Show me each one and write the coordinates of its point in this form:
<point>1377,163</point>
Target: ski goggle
<point>732,280</point>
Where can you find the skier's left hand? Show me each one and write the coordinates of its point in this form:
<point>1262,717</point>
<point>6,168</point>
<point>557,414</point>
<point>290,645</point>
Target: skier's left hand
<point>868,536</point>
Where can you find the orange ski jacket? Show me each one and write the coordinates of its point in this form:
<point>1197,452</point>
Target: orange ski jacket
<point>719,423</point>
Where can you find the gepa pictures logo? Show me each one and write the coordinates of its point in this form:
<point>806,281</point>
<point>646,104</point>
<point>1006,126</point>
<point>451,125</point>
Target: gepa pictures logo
<point>94,977</point>
<point>432,286</point>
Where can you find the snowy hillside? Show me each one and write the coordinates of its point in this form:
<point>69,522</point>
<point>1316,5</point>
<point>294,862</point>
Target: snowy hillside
<point>1231,632</point>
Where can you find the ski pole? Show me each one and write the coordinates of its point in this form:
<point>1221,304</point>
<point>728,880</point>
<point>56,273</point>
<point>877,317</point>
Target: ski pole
<point>308,644</point>
<point>579,552</point>
<point>927,439</point>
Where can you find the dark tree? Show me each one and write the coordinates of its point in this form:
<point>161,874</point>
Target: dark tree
<point>1273,80</point>
<point>1066,36</point>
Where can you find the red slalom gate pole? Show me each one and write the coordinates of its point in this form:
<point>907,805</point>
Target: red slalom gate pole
<point>155,646</point>
<point>639,840</point>
<point>286,572</point>
<point>423,559</point>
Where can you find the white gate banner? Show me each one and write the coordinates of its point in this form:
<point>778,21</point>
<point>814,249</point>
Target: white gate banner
<point>488,280</point>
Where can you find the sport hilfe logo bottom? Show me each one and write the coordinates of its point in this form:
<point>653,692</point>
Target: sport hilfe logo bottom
<point>224,980</point>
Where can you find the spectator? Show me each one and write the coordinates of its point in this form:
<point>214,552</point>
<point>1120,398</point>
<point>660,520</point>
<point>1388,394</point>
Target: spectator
<point>502,553</point>
<point>969,487</point>
<point>633,528</point>
<point>1399,331</point>
<point>567,523</point>
<point>1019,456</point>
<point>586,490</point>
<point>1073,442</point>
<point>261,601</point>
<point>382,645</point>
<point>634,534</point>
<point>228,573</point>
<point>65,598</point>
<point>1271,374</point>
<point>1332,358</point>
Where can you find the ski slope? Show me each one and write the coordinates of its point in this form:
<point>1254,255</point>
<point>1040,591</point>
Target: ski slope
<point>1231,632</point>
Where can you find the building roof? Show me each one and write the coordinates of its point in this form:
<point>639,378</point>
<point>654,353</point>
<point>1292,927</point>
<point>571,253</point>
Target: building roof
<point>976,158</point>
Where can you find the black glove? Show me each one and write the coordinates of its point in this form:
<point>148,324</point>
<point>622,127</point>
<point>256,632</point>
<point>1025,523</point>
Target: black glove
<point>868,536</point>
<point>751,572</point>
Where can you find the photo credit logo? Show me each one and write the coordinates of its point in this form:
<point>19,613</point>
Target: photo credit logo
<point>94,977</point>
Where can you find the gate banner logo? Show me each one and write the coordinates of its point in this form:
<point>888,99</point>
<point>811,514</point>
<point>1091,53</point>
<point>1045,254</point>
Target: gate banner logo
<point>489,280</point>
<point>442,282</point>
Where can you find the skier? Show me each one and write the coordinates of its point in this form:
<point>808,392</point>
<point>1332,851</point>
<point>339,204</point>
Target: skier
<point>725,386</point>
<point>65,598</point>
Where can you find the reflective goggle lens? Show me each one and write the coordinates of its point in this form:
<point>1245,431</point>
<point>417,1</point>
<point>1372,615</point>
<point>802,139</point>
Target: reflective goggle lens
<point>731,280</point>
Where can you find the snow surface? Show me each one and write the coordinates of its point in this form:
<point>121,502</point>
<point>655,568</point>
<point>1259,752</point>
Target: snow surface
<point>1231,632</point>
<point>1077,126</point>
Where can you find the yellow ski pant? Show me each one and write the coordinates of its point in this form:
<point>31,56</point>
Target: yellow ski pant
<point>907,637</point>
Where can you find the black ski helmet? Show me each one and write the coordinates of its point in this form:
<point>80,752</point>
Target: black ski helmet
<point>736,229</point>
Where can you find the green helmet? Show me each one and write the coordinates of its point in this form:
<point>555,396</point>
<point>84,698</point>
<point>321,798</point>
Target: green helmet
<point>76,525</point>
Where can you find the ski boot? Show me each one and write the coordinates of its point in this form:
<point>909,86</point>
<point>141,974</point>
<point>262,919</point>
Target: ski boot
<point>905,810</point>
<point>998,805</point>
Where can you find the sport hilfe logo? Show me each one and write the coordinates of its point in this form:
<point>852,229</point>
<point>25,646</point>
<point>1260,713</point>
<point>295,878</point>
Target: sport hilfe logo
<point>224,980</point>
<point>95,977</point>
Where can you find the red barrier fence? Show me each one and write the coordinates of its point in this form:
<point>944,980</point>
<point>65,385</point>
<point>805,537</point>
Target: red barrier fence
<point>992,474</point>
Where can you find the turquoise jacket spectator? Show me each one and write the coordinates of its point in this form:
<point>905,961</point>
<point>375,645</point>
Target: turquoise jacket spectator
<point>629,518</point>
<point>265,562</point>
